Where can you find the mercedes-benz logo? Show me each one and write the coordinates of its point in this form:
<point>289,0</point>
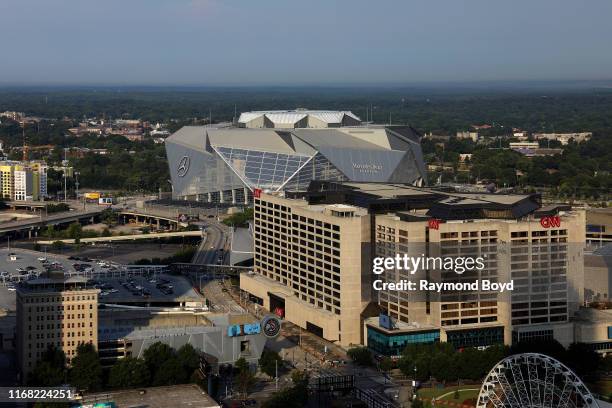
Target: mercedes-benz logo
<point>183,166</point>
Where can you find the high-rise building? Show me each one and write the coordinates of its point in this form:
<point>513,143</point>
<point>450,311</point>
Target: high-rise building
<point>544,262</point>
<point>54,311</point>
<point>309,265</point>
<point>7,179</point>
<point>539,249</point>
<point>23,181</point>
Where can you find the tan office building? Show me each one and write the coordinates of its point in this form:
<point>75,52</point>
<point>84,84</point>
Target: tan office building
<point>309,263</point>
<point>313,264</point>
<point>545,265</point>
<point>53,311</point>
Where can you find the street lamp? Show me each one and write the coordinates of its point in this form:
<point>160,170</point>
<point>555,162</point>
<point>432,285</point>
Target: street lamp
<point>414,394</point>
<point>76,185</point>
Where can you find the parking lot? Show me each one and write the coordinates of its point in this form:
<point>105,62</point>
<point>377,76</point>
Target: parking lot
<point>19,264</point>
<point>117,284</point>
<point>149,288</point>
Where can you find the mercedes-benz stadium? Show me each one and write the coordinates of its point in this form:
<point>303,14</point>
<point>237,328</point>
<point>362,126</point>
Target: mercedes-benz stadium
<point>226,164</point>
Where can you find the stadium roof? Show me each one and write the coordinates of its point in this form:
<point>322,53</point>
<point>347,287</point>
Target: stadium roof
<point>290,118</point>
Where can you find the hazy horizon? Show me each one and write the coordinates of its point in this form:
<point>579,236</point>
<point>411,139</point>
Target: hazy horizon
<point>273,43</point>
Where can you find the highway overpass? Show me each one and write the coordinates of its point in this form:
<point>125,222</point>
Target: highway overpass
<point>127,237</point>
<point>34,224</point>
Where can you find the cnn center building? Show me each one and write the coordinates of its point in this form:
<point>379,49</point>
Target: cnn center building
<point>227,164</point>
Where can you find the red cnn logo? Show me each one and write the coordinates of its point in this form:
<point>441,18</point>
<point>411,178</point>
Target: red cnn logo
<point>433,223</point>
<point>550,221</point>
<point>257,193</point>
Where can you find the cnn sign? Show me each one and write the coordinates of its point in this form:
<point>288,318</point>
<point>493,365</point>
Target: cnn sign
<point>433,223</point>
<point>550,221</point>
<point>257,193</point>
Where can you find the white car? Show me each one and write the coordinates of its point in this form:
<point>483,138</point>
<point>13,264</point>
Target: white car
<point>42,259</point>
<point>11,288</point>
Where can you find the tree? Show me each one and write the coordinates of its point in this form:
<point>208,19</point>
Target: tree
<point>170,372</point>
<point>74,231</point>
<point>244,378</point>
<point>292,397</point>
<point>58,245</point>
<point>386,364</point>
<point>50,371</point>
<point>188,358</point>
<point>583,359</point>
<point>129,372</point>
<point>299,377</point>
<point>268,362</point>
<point>360,355</point>
<point>156,355</point>
<point>86,371</point>
<point>241,365</point>
<point>50,231</point>
<point>108,217</point>
<point>240,219</point>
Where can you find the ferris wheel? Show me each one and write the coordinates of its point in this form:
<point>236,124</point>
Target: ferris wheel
<point>532,380</point>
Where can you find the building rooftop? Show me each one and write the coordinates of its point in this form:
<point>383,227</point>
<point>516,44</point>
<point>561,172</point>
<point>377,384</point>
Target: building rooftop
<point>241,245</point>
<point>184,395</point>
<point>445,205</point>
<point>591,315</point>
<point>604,251</point>
<point>297,117</point>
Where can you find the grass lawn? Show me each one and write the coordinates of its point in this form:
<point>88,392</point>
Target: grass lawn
<point>602,387</point>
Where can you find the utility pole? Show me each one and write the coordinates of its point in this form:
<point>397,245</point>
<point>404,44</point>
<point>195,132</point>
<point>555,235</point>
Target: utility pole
<point>76,184</point>
<point>276,369</point>
<point>65,164</point>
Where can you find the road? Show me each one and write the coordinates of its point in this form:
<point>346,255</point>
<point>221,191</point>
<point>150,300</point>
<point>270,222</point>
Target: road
<point>62,217</point>
<point>128,237</point>
<point>208,250</point>
<point>212,251</point>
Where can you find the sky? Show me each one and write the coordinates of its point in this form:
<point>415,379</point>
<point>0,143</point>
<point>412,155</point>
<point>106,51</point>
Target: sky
<point>268,42</point>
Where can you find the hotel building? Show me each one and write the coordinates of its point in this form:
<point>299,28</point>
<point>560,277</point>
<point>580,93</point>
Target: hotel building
<point>309,265</point>
<point>539,248</point>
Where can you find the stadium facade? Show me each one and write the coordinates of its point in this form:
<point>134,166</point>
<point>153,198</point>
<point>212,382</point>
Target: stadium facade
<point>226,165</point>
